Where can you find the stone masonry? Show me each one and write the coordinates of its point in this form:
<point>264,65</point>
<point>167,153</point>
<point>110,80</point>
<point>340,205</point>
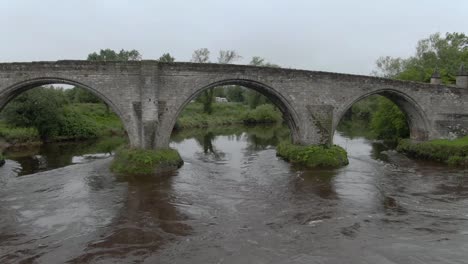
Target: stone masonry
<point>149,96</point>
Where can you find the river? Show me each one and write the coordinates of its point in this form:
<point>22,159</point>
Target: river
<point>233,201</point>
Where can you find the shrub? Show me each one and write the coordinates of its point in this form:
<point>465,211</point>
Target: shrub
<point>132,161</point>
<point>263,114</point>
<point>313,156</point>
<point>77,126</point>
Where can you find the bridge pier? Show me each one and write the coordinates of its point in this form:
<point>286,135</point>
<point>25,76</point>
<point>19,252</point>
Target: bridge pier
<point>149,106</point>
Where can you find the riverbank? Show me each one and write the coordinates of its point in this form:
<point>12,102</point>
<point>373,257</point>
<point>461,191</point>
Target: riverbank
<point>452,152</point>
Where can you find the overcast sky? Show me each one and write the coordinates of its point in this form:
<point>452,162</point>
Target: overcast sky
<point>338,36</point>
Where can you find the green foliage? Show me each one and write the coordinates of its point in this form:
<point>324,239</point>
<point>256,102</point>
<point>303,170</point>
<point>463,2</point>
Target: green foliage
<point>81,95</point>
<point>131,161</point>
<point>37,108</point>
<point>226,114</point>
<point>96,120</point>
<point>111,55</point>
<point>435,52</point>
<point>379,116</point>
<point>223,114</point>
<point>364,109</point>
<point>76,126</point>
<point>166,57</point>
<point>235,93</point>
<point>452,152</point>
<point>313,156</point>
<point>262,114</point>
<point>75,121</point>
<point>388,121</point>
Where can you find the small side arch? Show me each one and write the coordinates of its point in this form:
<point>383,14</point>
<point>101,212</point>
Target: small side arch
<point>417,120</point>
<point>8,94</point>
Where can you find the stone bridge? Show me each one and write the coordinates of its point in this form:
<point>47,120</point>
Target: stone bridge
<point>149,96</point>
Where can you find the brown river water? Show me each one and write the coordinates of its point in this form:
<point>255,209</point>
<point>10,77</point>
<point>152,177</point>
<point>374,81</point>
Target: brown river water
<point>233,201</point>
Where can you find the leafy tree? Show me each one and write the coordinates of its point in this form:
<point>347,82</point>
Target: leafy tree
<point>39,108</point>
<point>112,55</point>
<point>166,57</point>
<point>435,52</point>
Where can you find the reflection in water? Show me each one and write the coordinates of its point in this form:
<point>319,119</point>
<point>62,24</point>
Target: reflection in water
<point>50,156</point>
<point>234,201</point>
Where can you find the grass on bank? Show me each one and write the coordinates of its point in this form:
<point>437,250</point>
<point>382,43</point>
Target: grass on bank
<point>453,152</point>
<point>314,155</point>
<point>132,161</point>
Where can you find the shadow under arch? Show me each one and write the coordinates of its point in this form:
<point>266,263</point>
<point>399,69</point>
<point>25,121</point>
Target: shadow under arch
<point>417,121</point>
<point>16,89</point>
<point>289,114</point>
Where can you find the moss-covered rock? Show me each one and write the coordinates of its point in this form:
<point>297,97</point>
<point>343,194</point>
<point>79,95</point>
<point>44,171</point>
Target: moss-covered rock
<point>314,155</point>
<point>133,161</point>
<point>452,152</point>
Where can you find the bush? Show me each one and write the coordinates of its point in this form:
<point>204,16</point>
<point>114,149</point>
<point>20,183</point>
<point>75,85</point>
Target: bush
<point>132,161</point>
<point>263,114</point>
<point>313,156</point>
<point>77,126</point>
<point>39,108</point>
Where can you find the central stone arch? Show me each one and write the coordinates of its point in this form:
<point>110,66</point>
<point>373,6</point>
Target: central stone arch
<point>290,115</point>
<point>8,94</point>
<point>418,123</point>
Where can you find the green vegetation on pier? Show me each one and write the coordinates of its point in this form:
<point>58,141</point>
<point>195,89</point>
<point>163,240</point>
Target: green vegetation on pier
<point>132,161</point>
<point>313,156</point>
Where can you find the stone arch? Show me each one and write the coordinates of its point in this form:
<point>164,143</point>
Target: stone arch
<point>8,94</point>
<point>290,115</point>
<point>418,123</point>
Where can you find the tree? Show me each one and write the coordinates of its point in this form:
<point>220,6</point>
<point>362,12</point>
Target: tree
<point>228,56</point>
<point>201,56</point>
<point>166,57</point>
<point>435,52</point>
<point>111,55</point>
<point>39,108</point>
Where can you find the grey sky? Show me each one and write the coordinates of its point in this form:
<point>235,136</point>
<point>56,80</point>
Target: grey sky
<point>340,36</point>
